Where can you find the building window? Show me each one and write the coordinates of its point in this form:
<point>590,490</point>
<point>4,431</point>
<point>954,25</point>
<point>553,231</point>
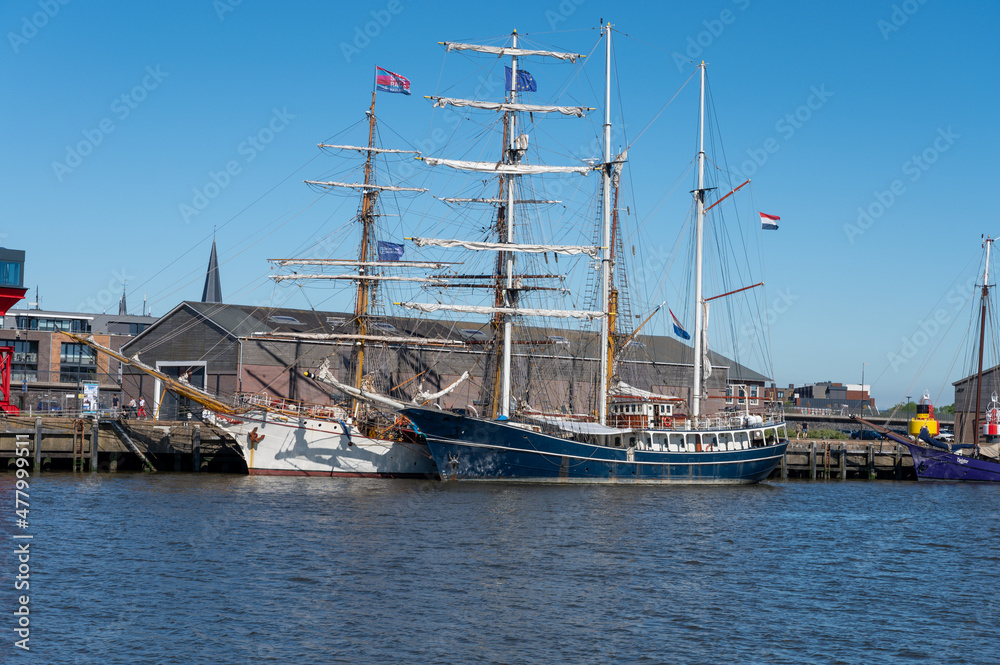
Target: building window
<point>77,362</point>
<point>10,273</point>
<point>753,395</point>
<point>729,394</point>
<point>37,323</point>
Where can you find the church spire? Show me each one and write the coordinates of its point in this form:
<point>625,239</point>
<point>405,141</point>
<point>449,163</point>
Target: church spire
<point>213,287</point>
<point>122,307</point>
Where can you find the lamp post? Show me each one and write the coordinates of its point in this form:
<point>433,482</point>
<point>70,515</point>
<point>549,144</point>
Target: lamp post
<point>908,411</point>
<point>862,398</point>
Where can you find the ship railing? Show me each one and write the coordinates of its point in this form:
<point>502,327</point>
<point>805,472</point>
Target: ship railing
<point>290,407</point>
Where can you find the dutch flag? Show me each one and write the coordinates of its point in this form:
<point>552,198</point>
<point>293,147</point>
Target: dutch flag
<point>678,328</point>
<point>769,222</point>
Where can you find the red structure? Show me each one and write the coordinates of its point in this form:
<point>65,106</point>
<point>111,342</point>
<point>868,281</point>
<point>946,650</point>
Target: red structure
<point>8,297</point>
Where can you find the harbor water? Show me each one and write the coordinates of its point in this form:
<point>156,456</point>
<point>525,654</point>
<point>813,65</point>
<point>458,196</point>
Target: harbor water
<point>235,569</point>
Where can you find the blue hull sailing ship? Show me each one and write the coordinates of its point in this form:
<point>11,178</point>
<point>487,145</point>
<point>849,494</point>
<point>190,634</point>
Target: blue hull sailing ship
<point>655,443</point>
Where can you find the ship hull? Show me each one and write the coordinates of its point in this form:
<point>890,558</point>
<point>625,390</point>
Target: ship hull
<point>283,446</point>
<point>475,449</point>
<point>941,465</point>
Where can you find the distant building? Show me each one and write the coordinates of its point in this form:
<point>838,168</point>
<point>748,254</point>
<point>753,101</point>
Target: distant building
<point>220,348</point>
<point>48,368</point>
<point>965,402</point>
<point>839,397</point>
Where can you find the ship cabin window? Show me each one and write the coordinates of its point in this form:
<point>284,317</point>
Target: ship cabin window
<point>770,437</point>
<point>742,440</point>
<point>693,442</point>
<point>726,441</point>
<point>618,442</point>
<point>710,441</point>
<point>782,434</point>
<point>675,443</point>
<point>631,441</point>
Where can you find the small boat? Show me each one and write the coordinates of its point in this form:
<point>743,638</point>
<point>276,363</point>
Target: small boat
<point>933,459</point>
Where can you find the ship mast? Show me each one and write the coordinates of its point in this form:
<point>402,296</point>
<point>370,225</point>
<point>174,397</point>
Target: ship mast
<point>982,336</point>
<point>361,304</point>
<point>508,319</point>
<point>602,394</point>
<point>699,197</point>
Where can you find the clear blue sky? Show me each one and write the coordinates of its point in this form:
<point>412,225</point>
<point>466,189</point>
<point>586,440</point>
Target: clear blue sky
<point>163,95</point>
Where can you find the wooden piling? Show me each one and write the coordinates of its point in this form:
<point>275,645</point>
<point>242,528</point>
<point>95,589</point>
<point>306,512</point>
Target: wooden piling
<point>843,461</point>
<point>37,466</point>
<point>812,461</point>
<point>196,448</point>
<point>870,452</point>
<point>94,440</point>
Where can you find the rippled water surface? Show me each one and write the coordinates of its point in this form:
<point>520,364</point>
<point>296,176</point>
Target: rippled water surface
<point>225,569</point>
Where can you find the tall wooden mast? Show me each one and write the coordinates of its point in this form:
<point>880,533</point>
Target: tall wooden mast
<point>982,336</point>
<point>366,216</point>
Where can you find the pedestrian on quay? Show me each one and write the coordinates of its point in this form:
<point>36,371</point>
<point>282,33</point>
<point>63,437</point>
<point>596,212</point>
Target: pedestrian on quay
<point>805,430</point>
<point>114,406</point>
<point>142,407</point>
<point>130,412</point>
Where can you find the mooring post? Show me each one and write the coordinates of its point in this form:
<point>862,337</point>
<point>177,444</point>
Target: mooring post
<point>843,461</point>
<point>784,465</point>
<point>38,445</point>
<point>94,433</point>
<point>871,462</point>
<point>196,448</point>
<point>812,461</point>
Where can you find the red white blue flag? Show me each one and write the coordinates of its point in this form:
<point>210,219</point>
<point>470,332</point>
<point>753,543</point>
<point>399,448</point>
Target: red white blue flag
<point>678,328</point>
<point>769,222</point>
<point>386,81</point>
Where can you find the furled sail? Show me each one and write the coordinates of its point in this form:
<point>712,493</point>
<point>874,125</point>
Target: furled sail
<point>494,201</point>
<point>508,247</point>
<point>474,309</point>
<point>359,185</point>
<point>437,265</point>
<point>361,148</point>
<point>372,278</point>
<point>500,167</point>
<point>441,102</point>
<point>706,365</point>
<point>507,50</point>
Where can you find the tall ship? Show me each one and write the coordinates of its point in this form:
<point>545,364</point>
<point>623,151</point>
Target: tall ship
<point>632,435</point>
<point>356,435</point>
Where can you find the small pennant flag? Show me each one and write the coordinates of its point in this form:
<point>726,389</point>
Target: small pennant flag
<point>386,81</point>
<point>389,251</point>
<point>769,222</point>
<point>678,328</point>
<point>525,81</point>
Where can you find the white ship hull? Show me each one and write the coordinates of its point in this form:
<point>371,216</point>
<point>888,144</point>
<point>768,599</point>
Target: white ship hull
<point>288,446</point>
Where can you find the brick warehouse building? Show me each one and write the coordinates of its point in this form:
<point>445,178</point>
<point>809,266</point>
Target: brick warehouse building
<point>219,347</point>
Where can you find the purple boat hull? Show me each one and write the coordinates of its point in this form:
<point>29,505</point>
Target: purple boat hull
<point>933,464</point>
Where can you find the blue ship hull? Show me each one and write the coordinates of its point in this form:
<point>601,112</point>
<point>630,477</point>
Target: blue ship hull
<point>475,449</point>
<point>933,464</point>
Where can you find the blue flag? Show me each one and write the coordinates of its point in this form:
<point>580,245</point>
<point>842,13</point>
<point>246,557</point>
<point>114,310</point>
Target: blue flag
<point>389,251</point>
<point>525,81</point>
